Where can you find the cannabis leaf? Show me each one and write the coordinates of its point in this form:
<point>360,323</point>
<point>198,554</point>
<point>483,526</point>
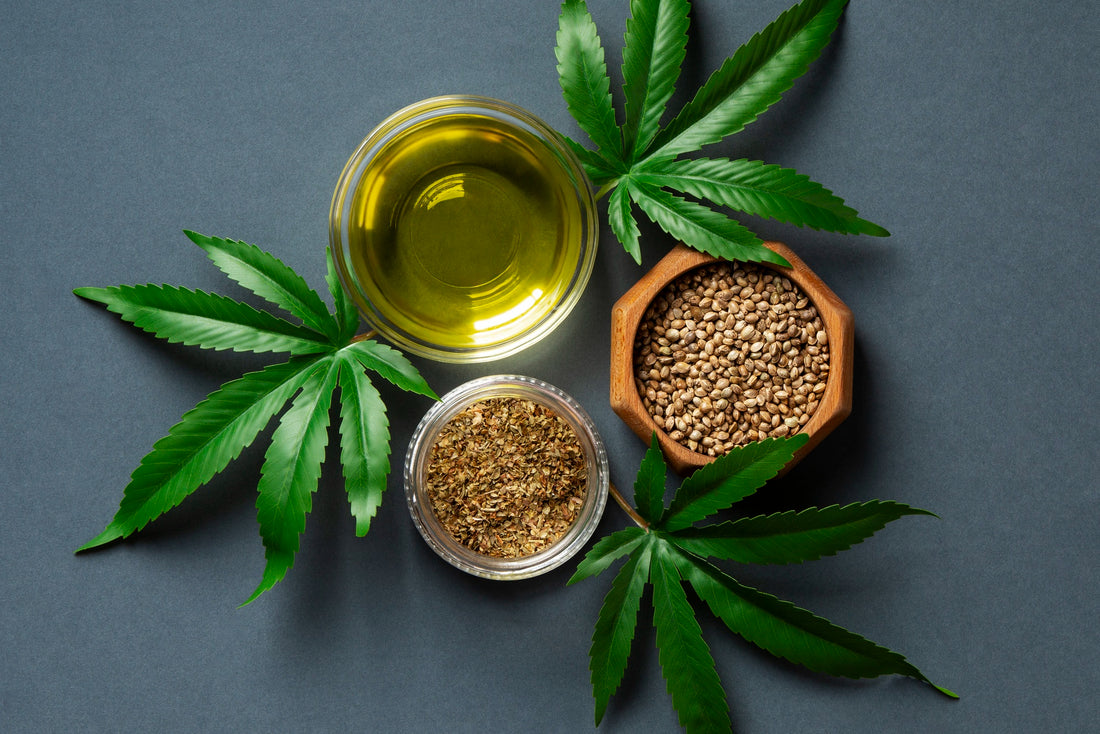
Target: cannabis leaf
<point>325,354</point>
<point>638,163</point>
<point>671,550</point>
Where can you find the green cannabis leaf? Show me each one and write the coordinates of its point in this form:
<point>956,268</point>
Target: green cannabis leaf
<point>671,550</point>
<point>325,354</point>
<point>637,161</point>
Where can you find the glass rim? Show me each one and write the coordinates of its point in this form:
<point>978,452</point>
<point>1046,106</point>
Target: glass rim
<point>480,564</point>
<point>394,125</point>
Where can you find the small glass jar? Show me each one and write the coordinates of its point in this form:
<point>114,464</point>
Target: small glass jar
<point>425,437</point>
<point>464,229</point>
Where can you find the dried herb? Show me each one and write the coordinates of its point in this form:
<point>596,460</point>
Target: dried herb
<point>667,550</point>
<point>639,162</point>
<point>507,477</point>
<point>326,354</point>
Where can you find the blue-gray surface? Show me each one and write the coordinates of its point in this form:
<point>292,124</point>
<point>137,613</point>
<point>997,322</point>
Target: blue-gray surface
<point>969,132</point>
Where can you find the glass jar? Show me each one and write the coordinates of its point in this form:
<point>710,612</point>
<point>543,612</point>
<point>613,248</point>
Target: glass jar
<point>425,437</point>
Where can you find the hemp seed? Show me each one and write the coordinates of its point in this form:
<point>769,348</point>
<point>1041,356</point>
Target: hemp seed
<point>751,357</point>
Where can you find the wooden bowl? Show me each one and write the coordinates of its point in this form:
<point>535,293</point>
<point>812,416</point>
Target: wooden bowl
<point>834,405</point>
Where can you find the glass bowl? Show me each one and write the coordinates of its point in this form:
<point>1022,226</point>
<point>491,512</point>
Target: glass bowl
<point>463,228</point>
<point>425,437</point>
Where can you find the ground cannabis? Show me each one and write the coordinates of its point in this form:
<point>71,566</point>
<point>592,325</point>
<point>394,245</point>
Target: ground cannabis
<point>507,477</point>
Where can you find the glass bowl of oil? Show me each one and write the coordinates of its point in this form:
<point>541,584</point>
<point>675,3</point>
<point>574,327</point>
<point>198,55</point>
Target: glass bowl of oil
<point>464,229</point>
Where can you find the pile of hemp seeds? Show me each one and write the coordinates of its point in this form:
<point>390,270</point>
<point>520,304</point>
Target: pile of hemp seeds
<point>507,477</point>
<point>730,353</point>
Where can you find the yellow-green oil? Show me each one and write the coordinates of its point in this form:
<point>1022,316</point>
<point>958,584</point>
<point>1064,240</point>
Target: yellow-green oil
<point>465,231</point>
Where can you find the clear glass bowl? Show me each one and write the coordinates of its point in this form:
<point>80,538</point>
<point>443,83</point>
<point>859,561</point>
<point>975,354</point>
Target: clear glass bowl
<point>416,465</point>
<point>464,229</point>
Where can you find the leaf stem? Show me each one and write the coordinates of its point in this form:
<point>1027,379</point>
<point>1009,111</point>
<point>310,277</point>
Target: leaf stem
<point>606,188</point>
<point>638,520</point>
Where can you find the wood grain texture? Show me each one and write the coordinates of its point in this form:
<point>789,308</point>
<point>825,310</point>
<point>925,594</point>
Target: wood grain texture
<point>627,314</point>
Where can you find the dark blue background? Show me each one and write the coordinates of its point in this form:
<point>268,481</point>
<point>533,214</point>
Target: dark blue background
<point>968,130</point>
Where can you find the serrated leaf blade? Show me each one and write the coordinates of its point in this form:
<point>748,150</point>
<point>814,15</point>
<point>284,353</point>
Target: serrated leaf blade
<point>291,469</point>
<point>582,74</point>
<point>793,536</point>
<point>700,227</point>
<point>753,79</point>
<point>269,278</point>
<point>392,365</point>
<point>686,662</point>
<point>790,632</point>
<point>599,170</point>
<point>205,440</point>
<point>364,443</point>
<point>615,627</point>
<point>763,190</point>
<point>622,222</point>
<point>653,51</point>
<point>605,552</point>
<point>207,320</point>
<point>347,316</point>
<point>728,479</point>
<point>649,486</point>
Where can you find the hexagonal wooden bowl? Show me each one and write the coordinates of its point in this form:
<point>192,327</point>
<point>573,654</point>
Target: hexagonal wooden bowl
<point>627,314</point>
